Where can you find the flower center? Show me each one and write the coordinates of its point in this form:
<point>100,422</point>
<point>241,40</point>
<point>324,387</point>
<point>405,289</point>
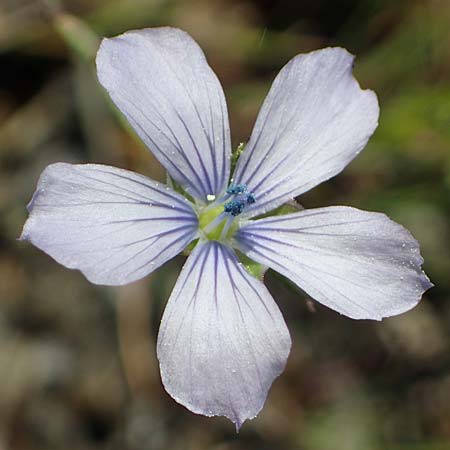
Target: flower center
<point>217,220</point>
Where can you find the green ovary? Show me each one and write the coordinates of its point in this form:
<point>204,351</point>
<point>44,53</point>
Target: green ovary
<point>207,216</point>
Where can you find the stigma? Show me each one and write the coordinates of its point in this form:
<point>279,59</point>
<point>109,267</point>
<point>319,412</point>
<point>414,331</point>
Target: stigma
<point>241,199</point>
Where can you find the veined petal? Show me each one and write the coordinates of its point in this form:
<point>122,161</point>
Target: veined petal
<point>222,339</point>
<point>113,225</point>
<point>359,263</point>
<point>313,122</point>
<point>160,79</point>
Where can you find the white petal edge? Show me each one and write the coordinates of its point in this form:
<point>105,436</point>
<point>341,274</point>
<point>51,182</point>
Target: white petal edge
<point>113,225</point>
<point>159,78</point>
<point>222,339</point>
<point>359,263</point>
<point>313,122</point>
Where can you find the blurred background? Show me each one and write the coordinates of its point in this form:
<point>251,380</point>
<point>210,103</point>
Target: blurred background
<point>77,362</point>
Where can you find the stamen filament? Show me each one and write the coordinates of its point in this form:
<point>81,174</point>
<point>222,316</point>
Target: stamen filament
<point>216,222</point>
<point>216,202</point>
<point>226,228</point>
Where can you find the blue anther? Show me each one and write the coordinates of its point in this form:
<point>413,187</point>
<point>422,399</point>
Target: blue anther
<point>241,199</point>
<point>251,198</point>
<point>234,189</point>
<point>234,207</point>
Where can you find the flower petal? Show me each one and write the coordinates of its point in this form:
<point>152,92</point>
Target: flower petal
<point>222,339</point>
<point>113,225</point>
<point>159,78</point>
<point>359,263</point>
<point>314,121</point>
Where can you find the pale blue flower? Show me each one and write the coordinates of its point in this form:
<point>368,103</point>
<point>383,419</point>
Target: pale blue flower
<point>222,339</point>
